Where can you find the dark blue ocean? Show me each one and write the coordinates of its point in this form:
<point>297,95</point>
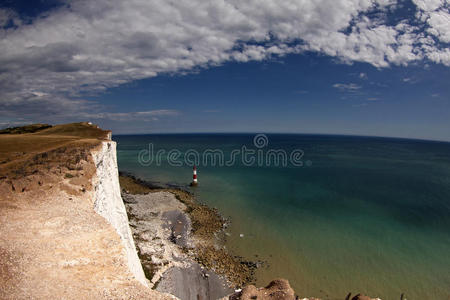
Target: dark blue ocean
<point>333,214</point>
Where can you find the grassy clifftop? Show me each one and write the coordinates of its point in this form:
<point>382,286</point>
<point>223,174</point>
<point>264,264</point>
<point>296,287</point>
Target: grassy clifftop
<point>80,130</point>
<point>26,148</point>
<point>25,129</point>
<point>51,236</point>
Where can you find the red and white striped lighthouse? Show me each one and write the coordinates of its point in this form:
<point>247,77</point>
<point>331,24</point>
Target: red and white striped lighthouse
<point>194,177</point>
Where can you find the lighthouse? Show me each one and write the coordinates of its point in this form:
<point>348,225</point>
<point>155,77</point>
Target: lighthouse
<point>194,176</point>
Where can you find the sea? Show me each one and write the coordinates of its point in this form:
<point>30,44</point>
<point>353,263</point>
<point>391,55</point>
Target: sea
<point>332,214</point>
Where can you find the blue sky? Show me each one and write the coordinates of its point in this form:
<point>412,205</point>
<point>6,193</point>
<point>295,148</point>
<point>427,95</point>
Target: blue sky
<point>297,94</point>
<point>375,67</point>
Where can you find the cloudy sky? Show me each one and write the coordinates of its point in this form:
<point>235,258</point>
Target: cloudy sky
<point>366,67</point>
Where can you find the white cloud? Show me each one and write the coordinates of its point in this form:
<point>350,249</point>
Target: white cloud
<point>349,87</point>
<point>439,22</point>
<point>91,46</point>
<point>152,115</point>
<point>428,5</point>
<point>436,15</point>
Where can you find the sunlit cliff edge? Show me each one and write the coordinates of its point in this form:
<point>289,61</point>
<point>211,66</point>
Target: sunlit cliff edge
<point>64,228</point>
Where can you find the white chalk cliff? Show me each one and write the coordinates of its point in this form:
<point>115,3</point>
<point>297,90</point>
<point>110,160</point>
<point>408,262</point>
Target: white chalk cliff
<point>109,204</point>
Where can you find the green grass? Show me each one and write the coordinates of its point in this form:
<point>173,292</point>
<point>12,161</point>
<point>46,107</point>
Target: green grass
<point>25,129</point>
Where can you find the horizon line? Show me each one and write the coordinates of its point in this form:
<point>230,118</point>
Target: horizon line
<point>288,133</point>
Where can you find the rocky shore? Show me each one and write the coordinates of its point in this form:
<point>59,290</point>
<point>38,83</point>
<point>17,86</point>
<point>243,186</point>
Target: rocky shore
<point>70,228</point>
<point>180,244</point>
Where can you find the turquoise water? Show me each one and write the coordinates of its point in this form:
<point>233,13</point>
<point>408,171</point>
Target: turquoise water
<point>362,214</point>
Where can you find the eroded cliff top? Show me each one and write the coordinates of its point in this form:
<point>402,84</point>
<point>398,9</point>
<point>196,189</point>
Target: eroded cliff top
<point>35,145</point>
<point>53,245</point>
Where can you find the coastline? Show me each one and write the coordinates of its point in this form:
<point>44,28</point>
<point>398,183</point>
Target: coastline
<point>207,265</point>
<point>187,238</point>
<point>68,222</point>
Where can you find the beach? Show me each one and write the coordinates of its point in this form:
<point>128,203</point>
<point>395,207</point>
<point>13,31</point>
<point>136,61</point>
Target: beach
<point>180,242</point>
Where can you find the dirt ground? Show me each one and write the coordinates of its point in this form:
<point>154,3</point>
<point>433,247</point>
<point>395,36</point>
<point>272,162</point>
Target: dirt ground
<point>52,243</point>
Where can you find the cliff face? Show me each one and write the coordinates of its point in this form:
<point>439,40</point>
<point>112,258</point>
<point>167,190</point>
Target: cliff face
<point>108,203</point>
<point>64,228</point>
<point>64,231</point>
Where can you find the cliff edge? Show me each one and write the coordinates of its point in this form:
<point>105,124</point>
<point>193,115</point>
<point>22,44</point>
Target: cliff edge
<point>108,203</point>
<point>65,232</point>
<point>64,229</point>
